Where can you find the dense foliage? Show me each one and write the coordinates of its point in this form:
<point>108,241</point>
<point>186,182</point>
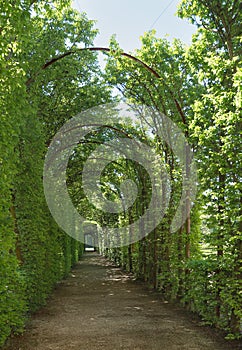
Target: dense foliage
<point>34,252</point>
<point>198,87</point>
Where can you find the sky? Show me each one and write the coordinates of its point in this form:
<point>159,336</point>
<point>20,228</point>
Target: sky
<point>129,19</point>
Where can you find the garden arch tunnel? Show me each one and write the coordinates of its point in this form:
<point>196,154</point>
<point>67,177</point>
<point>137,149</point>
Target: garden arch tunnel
<point>111,52</point>
<point>89,236</point>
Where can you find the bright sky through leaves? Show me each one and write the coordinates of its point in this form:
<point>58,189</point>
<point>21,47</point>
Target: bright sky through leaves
<point>130,19</point>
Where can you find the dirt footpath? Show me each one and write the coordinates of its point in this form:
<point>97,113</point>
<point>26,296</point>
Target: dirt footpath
<point>100,307</point>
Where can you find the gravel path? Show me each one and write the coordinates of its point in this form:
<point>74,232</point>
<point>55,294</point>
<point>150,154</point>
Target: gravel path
<point>100,307</point>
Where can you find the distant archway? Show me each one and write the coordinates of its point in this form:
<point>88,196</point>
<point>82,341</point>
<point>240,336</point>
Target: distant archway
<point>90,235</point>
<point>89,241</point>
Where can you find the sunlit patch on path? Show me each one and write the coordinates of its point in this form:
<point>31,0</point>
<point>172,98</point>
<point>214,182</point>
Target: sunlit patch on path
<point>100,307</point>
